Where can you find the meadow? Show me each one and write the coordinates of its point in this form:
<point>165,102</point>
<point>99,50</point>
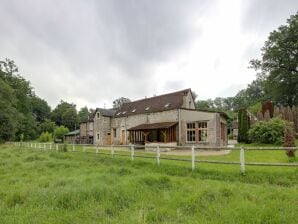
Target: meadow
<point>77,187</point>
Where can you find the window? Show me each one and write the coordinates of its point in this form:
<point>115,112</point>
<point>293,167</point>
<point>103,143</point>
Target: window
<point>118,114</point>
<point>97,136</point>
<point>114,132</point>
<point>167,105</point>
<point>97,115</point>
<point>202,131</point>
<point>124,112</point>
<point>191,132</point>
<point>134,110</point>
<point>147,108</point>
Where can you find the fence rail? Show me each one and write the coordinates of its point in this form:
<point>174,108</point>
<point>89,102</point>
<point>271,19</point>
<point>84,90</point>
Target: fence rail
<point>115,151</point>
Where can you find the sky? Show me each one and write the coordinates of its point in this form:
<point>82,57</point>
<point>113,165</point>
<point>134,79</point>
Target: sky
<point>90,52</point>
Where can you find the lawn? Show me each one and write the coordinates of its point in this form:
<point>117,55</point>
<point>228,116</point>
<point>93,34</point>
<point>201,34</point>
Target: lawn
<point>77,187</point>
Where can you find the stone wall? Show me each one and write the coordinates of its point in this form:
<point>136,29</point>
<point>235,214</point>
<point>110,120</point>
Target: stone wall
<point>124,123</point>
<point>102,130</point>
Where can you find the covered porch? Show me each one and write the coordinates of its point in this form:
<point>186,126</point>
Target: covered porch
<point>164,132</point>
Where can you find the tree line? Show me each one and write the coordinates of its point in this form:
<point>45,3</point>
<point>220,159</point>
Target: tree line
<point>24,115</point>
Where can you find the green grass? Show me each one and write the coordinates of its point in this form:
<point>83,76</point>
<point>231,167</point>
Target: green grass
<point>51,187</point>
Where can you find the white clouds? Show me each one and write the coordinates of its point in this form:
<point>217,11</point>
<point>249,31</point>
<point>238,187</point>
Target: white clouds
<point>91,52</point>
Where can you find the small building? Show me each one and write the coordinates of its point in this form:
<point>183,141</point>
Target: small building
<point>72,137</point>
<point>86,131</point>
<point>169,119</point>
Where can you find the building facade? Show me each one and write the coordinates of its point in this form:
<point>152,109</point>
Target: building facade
<point>169,119</point>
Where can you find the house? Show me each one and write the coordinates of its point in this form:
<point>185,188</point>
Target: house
<point>169,119</point>
<point>86,131</point>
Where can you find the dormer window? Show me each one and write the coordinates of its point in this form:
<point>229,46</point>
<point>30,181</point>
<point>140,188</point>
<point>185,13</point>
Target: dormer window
<point>124,112</point>
<point>134,110</point>
<point>147,108</point>
<point>167,105</point>
<point>118,114</point>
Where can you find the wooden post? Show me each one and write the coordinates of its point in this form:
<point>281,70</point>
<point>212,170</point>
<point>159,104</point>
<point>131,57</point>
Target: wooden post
<point>193,165</point>
<point>132,152</point>
<point>158,155</point>
<point>242,161</point>
<point>112,150</point>
<point>50,146</point>
<point>57,147</point>
<point>73,147</point>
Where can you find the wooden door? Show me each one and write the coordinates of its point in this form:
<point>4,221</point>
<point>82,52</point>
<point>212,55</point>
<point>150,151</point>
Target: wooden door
<point>123,137</point>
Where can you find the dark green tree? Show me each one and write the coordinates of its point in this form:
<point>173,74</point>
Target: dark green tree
<point>65,114</point>
<point>279,64</point>
<point>83,114</point>
<point>40,109</point>
<point>243,126</point>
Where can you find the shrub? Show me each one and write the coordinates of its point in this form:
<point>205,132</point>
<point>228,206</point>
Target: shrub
<point>60,132</point>
<point>268,132</point>
<point>243,126</point>
<point>289,139</point>
<point>45,137</point>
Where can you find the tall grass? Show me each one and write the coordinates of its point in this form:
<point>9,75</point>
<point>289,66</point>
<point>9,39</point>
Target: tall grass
<point>65,187</point>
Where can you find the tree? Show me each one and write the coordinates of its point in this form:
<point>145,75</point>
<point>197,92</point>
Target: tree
<point>65,114</point>
<point>117,103</point>
<point>83,114</point>
<point>40,109</point>
<point>60,132</point>
<point>8,113</point>
<point>279,63</point>
<point>243,125</point>
<point>47,126</point>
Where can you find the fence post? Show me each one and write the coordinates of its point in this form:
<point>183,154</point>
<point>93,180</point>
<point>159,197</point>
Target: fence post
<point>50,146</point>
<point>193,157</point>
<point>242,161</point>
<point>96,149</point>
<point>73,147</point>
<point>132,152</point>
<point>158,155</point>
<point>112,150</point>
<point>44,147</point>
<point>57,147</point>
<point>84,149</point>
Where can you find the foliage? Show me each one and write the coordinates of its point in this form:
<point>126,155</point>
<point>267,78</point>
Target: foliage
<point>279,63</point>
<point>47,126</point>
<point>60,131</point>
<point>83,114</point>
<point>243,126</point>
<point>8,112</point>
<point>117,103</point>
<point>268,132</point>
<point>289,139</point>
<point>46,137</point>
<point>40,109</point>
<point>65,114</point>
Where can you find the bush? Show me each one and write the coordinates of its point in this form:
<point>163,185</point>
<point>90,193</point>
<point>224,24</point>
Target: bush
<point>60,132</point>
<point>268,132</point>
<point>46,137</point>
<point>243,126</point>
<point>290,139</point>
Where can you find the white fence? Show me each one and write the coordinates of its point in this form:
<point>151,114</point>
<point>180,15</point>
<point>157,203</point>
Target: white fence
<point>118,150</point>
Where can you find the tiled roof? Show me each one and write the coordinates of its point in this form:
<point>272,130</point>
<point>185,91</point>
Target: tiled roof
<point>164,102</point>
<point>153,126</point>
<point>76,132</point>
<point>106,112</point>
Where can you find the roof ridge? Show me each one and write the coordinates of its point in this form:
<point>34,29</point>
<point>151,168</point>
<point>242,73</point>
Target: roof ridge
<point>157,96</point>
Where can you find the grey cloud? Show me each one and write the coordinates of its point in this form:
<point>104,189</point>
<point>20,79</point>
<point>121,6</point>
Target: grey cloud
<point>262,16</point>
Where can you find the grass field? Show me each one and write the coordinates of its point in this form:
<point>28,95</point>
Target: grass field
<point>76,187</point>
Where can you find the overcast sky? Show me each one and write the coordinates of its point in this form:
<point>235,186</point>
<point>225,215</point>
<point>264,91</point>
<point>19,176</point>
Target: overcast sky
<point>90,52</point>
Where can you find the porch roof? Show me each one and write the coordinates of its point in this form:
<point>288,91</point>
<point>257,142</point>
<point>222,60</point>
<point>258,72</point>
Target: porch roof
<point>163,125</point>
